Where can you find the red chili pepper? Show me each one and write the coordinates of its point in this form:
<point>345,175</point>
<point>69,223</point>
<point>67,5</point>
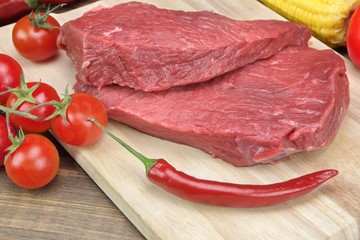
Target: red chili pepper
<point>233,195</point>
<point>162,174</point>
<point>13,10</point>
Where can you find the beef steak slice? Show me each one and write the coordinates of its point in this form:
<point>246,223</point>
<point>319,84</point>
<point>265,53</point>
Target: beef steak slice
<point>143,47</point>
<point>294,101</point>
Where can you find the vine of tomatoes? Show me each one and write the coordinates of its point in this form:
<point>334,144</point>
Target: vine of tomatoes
<point>31,160</point>
<point>27,97</point>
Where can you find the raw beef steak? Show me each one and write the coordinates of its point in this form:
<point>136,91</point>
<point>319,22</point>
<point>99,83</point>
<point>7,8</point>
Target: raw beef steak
<point>143,47</point>
<point>294,101</point>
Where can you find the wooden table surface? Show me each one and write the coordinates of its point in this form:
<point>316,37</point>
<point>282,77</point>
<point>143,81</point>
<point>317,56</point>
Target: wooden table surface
<point>70,207</point>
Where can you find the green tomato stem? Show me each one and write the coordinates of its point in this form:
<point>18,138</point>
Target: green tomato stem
<point>38,20</point>
<point>23,93</point>
<point>60,107</point>
<point>16,141</point>
<point>19,113</point>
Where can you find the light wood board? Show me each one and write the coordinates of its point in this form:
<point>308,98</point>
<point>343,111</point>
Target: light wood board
<point>331,212</point>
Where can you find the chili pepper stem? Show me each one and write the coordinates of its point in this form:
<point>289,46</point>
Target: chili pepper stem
<point>148,162</point>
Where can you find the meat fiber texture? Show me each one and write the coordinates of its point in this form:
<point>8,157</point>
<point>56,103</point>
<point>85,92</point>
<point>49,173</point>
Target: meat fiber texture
<point>294,101</point>
<point>143,47</point>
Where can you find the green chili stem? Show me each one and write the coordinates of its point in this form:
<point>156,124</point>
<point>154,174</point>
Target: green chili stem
<point>148,163</point>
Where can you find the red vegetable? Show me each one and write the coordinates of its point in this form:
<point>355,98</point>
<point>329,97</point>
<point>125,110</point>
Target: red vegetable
<point>28,96</point>
<point>190,188</point>
<point>34,36</point>
<point>162,174</point>
<point>12,10</point>
<point>70,124</point>
<point>353,37</point>
<point>34,162</point>
<point>10,72</point>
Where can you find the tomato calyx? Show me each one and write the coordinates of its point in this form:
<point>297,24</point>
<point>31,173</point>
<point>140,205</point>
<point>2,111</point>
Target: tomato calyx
<point>38,18</point>
<point>18,139</point>
<point>23,93</point>
<point>16,142</point>
<point>60,107</point>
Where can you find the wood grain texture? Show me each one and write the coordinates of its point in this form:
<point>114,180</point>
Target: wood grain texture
<point>71,207</point>
<point>331,212</point>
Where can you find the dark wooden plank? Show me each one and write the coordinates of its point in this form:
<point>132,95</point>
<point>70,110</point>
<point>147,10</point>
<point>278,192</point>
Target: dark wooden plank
<point>70,207</point>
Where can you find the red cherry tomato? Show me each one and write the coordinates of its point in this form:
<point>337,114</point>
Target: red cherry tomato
<point>34,163</point>
<point>10,71</point>
<point>77,130</point>
<point>4,138</point>
<point>43,93</point>
<point>34,43</point>
<point>353,38</point>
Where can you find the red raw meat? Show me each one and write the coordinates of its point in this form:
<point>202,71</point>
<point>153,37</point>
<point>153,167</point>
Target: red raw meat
<point>143,47</point>
<point>294,101</point>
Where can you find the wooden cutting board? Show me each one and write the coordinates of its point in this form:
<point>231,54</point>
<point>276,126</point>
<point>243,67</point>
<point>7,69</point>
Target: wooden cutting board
<point>331,212</point>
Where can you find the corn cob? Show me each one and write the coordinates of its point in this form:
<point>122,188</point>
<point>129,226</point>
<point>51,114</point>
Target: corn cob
<point>327,19</point>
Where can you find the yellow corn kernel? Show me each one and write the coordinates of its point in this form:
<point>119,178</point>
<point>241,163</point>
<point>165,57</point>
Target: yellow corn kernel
<point>327,19</point>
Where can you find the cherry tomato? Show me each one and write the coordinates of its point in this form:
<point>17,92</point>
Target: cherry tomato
<point>35,43</point>
<point>353,38</point>
<point>77,130</point>
<point>4,138</point>
<point>10,71</point>
<point>43,93</point>
<point>34,163</point>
